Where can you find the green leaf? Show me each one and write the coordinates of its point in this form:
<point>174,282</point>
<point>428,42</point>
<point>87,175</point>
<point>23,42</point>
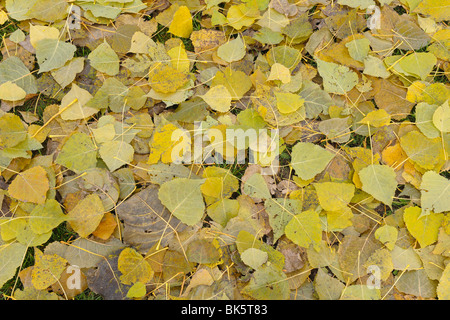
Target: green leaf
<point>267,283</point>
<point>424,119</point>
<point>418,64</point>
<point>362,4</point>
<point>17,36</point>
<point>435,193</point>
<point>308,159</point>
<point>246,240</point>
<point>116,154</point>
<point>256,187</point>
<point>52,54</point>
<point>223,210</point>
<point>78,153</point>
<point>327,287</point>
<point>305,229</point>
<point>184,199</point>
<point>12,130</point>
<point>358,48</point>
<point>11,257</point>
<point>336,78</point>
<point>66,74</point>
<point>374,67</point>
<point>13,70</point>
<point>233,50</point>
<point>280,212</point>
<point>441,118</point>
<point>380,182</point>
<point>254,258</point>
<point>360,292</point>
<point>105,59</point>
<point>44,218</point>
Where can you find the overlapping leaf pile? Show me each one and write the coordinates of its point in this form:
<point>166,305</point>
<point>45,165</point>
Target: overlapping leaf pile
<point>357,208</point>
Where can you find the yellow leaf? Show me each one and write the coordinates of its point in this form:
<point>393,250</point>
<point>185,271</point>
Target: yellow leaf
<point>443,289</point>
<point>212,187</point>
<point>165,79</point>
<point>12,130</point>
<point>236,82</point>
<point>11,92</point>
<point>334,196</point>
<point>134,267</point>
<point>279,72</point>
<point>233,50</point>
<point>438,10</point>
<point>180,60</point>
<point>305,229</point>
<point>138,290</point>
<point>424,152</point>
<point>377,118</point>
<point>73,105</point>
<point>394,156</point>
<point>38,33</point>
<point>106,227</point>
<point>44,218</point>
<point>47,269</point>
<point>424,228</point>
<point>10,227</point>
<point>164,140</point>
<point>435,93</point>
<point>3,17</point>
<point>240,16</point>
<point>86,215</point>
<point>228,182</point>
<point>441,118</point>
<point>38,132</point>
<point>181,25</point>
<point>288,102</point>
<point>338,220</point>
<point>381,258</point>
<point>218,98</point>
<point>30,186</point>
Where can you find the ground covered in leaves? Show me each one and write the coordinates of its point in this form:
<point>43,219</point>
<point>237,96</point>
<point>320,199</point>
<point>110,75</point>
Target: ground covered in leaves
<point>102,100</point>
